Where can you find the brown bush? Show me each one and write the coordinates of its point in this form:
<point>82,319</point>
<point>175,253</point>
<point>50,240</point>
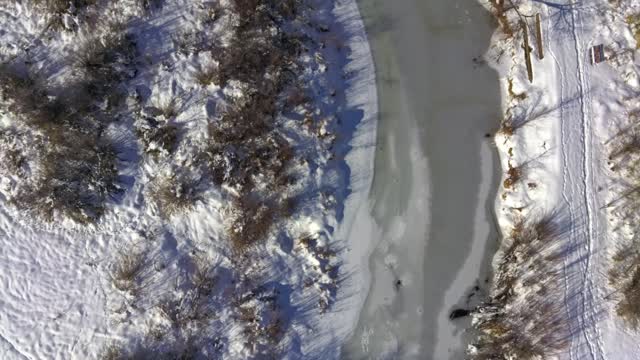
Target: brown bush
<point>127,270</point>
<point>157,137</point>
<point>78,175</point>
<point>514,175</point>
<point>535,326</point>
<point>207,75</point>
<point>105,62</point>
<point>500,13</point>
<point>251,223</point>
<point>175,193</point>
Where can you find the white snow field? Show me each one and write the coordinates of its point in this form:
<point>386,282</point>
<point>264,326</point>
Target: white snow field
<point>138,281</point>
<point>564,123</point>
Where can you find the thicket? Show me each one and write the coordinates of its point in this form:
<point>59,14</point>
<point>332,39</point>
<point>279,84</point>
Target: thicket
<point>78,164</point>
<point>524,317</point>
<point>624,275</point>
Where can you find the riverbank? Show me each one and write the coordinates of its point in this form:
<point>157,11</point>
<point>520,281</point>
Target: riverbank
<point>435,177</point>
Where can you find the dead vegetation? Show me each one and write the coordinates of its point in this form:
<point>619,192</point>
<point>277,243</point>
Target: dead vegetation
<point>264,323</point>
<point>207,75</point>
<point>78,164</point>
<point>252,220</point>
<point>514,176</point>
<point>634,25</point>
<point>247,151</point>
<point>182,325</point>
<point>624,274</point>
<point>158,137</point>
<point>78,175</point>
<point>127,270</point>
<point>531,323</point>
<point>55,10</point>
<point>175,192</point>
<point>499,11</point>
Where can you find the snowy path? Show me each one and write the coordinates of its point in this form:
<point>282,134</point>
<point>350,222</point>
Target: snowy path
<point>577,151</point>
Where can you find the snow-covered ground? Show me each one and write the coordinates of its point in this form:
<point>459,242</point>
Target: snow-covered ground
<point>555,165</point>
<point>298,292</point>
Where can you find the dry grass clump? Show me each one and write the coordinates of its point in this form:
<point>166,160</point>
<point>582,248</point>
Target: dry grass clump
<point>262,318</point>
<point>158,137</point>
<point>514,176</point>
<point>528,333</point>
<point>170,109</point>
<point>627,145</point>
<point>634,24</point>
<point>185,325</point>
<point>628,308</point>
<point>175,192</point>
<point>247,152</point>
<point>519,97</point>
<point>624,276</point>
<point>106,61</point>
<point>206,75</point>
<point>112,352</point>
<point>499,12</point>
<point>55,10</point>
<point>251,222</point>
<point>78,174</point>
<point>127,270</point>
<point>531,324</point>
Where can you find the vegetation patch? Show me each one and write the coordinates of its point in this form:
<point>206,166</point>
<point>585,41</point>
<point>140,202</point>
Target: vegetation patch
<point>524,317</point>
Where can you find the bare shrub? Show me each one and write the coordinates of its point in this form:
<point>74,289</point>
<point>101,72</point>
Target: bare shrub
<point>246,59</point>
<point>212,12</point>
<point>514,176</point>
<point>202,277</point>
<point>264,324</point>
<point>55,10</point>
<point>149,5</point>
<point>634,25</point>
<point>244,145</point>
<point>500,13</point>
<point>207,75</point>
<point>628,308</point>
<point>529,333</point>
<point>158,137</point>
<point>58,7</point>
<point>112,352</point>
<point>169,109</point>
<point>627,144</point>
<point>78,175</point>
<point>258,12</point>
<point>128,269</point>
<point>106,61</point>
<point>175,193</point>
<point>252,221</point>
<point>28,98</point>
<point>532,324</point>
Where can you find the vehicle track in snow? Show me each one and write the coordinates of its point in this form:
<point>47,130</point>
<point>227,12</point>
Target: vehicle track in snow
<point>578,193</point>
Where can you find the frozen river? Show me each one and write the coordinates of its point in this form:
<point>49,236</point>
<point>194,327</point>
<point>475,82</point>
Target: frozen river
<point>436,177</point>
